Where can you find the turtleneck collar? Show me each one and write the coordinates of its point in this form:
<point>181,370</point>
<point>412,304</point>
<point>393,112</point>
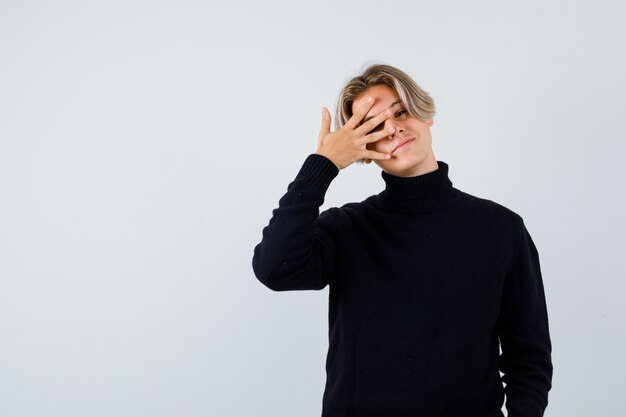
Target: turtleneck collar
<point>422,192</point>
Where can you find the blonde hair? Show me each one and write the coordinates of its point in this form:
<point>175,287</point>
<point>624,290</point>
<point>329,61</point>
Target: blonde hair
<point>417,102</point>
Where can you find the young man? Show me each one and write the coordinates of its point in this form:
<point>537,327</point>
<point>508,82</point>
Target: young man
<point>426,282</point>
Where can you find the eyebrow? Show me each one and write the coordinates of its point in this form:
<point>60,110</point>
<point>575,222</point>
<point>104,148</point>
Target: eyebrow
<point>392,104</point>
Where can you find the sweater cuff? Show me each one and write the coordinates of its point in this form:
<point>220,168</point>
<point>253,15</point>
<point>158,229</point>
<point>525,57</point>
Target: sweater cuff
<point>318,170</point>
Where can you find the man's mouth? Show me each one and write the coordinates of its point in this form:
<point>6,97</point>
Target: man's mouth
<point>402,145</point>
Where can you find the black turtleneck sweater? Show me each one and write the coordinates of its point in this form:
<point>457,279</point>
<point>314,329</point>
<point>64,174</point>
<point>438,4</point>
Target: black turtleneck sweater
<point>426,284</point>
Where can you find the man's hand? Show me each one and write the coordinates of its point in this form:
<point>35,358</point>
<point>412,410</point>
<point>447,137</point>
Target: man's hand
<point>348,144</point>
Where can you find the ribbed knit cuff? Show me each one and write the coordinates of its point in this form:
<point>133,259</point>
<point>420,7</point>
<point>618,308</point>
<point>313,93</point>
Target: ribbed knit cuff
<point>318,170</point>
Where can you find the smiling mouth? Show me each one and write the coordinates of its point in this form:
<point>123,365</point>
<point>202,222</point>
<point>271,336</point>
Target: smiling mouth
<point>402,144</point>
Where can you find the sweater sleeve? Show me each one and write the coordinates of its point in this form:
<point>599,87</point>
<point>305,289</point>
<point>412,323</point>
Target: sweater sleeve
<point>297,250</point>
<point>524,335</point>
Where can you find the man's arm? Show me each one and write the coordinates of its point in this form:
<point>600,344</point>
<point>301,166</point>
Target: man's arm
<point>297,251</point>
<point>524,334</point>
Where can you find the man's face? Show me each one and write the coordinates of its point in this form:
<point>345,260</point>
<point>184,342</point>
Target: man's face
<point>415,157</point>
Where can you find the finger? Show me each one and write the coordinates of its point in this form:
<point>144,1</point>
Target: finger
<point>378,135</point>
<point>372,123</point>
<point>377,155</point>
<point>362,107</point>
<point>325,129</point>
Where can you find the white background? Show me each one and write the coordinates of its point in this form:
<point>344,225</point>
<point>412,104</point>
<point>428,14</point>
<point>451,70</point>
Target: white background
<point>143,145</point>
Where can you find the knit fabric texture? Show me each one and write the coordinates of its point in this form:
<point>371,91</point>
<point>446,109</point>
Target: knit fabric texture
<point>427,284</point>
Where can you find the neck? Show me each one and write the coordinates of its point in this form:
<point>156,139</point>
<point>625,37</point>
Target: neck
<point>417,193</point>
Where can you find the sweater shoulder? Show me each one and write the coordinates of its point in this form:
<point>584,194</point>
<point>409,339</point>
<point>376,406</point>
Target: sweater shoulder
<point>488,207</point>
<point>498,221</point>
<point>491,215</point>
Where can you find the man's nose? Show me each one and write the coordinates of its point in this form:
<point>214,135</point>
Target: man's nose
<point>395,124</point>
